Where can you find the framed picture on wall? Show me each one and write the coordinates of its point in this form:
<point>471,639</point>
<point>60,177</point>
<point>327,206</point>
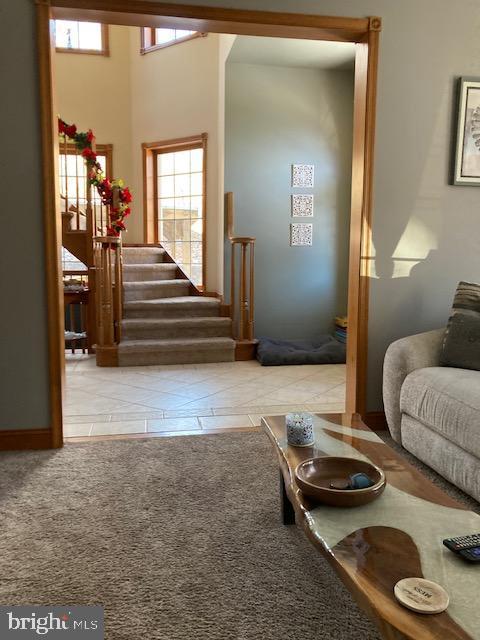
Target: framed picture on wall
<point>301,234</point>
<point>303,175</point>
<point>302,205</point>
<point>466,161</point>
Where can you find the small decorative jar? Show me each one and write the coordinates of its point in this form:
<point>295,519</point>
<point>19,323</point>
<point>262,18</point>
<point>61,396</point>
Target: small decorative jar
<point>299,429</point>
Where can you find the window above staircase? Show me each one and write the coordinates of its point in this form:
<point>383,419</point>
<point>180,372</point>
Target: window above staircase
<point>72,36</point>
<point>154,39</point>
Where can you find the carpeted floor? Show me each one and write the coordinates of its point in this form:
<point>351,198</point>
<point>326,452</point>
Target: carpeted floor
<point>178,538</point>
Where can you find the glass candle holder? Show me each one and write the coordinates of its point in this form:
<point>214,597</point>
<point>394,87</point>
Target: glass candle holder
<point>299,429</point>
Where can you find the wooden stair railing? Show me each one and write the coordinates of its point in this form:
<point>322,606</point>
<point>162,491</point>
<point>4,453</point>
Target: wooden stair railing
<point>109,298</point>
<point>242,298</point>
<point>84,233</point>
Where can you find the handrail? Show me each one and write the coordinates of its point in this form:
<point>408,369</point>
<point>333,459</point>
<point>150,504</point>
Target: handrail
<point>242,308</point>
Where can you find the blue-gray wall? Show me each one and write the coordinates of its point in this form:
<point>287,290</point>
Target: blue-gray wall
<point>277,116</point>
<point>24,399</point>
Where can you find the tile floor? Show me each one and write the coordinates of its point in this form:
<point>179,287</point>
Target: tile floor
<point>186,398</point>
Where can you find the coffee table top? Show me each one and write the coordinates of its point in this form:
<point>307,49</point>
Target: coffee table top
<point>399,535</point>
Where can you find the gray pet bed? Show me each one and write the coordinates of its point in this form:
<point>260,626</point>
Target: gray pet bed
<point>323,350</point>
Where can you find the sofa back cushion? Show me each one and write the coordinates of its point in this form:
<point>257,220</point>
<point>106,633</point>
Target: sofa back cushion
<point>461,345</point>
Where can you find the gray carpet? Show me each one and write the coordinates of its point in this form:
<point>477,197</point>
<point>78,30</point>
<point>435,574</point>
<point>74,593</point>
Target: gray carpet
<point>179,539</point>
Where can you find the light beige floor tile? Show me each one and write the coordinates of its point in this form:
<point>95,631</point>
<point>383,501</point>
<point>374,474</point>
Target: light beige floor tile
<point>230,411</point>
<point>173,424</point>
<point>96,404</point>
<point>98,417</point>
<point>225,422</point>
<point>124,392</point>
<point>338,407</point>
<point>165,401</point>
<point>188,413</point>
<point>140,415</point>
<point>224,390</point>
<point>277,410</point>
<point>75,430</point>
<point>112,428</point>
<point>336,394</point>
<point>286,395</point>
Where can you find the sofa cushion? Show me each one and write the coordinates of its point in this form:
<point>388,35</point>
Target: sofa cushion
<point>461,346</point>
<point>448,401</point>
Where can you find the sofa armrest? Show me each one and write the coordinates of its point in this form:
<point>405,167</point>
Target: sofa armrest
<point>403,357</point>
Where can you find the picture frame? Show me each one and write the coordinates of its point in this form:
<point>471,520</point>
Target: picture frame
<point>301,234</point>
<point>303,175</point>
<point>302,205</point>
<point>466,157</point>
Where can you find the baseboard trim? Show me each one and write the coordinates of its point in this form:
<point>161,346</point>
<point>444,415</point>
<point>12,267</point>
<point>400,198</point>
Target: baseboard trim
<point>19,439</point>
<point>375,420</point>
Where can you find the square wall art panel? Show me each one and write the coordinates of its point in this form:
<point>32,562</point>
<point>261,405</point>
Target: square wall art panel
<point>301,235</point>
<point>302,205</point>
<point>302,175</point>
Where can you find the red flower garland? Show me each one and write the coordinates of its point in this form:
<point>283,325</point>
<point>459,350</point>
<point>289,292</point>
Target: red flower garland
<point>103,184</point>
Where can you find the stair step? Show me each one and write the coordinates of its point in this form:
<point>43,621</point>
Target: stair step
<point>177,307</point>
<point>143,255</point>
<point>175,351</point>
<point>154,290</point>
<point>149,272</point>
<point>171,328</point>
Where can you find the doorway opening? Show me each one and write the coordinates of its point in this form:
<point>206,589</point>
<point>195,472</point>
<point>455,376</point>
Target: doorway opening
<point>364,32</point>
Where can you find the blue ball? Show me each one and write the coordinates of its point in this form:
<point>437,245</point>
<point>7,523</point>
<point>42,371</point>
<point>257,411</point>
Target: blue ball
<point>360,481</point>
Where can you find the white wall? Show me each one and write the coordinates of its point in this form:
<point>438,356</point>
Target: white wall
<point>175,94</point>
<point>94,92</point>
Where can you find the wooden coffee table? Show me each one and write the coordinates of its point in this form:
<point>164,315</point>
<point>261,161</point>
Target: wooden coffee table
<point>399,535</point>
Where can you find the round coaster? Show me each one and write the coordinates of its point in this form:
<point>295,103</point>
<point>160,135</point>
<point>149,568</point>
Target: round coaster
<point>420,595</point>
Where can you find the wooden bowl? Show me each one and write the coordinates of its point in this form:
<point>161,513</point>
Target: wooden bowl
<point>313,476</point>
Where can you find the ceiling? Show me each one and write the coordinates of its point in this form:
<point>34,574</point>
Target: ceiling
<point>287,52</point>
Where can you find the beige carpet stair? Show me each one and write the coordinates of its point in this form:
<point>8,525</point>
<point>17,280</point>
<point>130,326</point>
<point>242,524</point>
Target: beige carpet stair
<point>179,351</point>
<point>153,290</point>
<point>143,255</point>
<point>149,272</point>
<point>179,307</point>
<point>163,323</point>
<point>175,328</point>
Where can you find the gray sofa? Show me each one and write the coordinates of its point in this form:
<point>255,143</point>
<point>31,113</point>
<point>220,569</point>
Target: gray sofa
<point>434,411</point>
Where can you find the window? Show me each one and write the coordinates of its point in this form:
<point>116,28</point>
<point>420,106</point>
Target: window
<point>179,202</point>
<point>81,37</point>
<point>153,39</point>
<point>73,183</point>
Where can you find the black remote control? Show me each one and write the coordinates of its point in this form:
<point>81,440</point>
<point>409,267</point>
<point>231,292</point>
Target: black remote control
<point>467,547</point>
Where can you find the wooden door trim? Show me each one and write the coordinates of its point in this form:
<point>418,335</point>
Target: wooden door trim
<point>364,31</point>
<point>52,243</point>
<point>206,19</point>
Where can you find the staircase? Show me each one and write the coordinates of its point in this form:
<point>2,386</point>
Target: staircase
<point>165,319</point>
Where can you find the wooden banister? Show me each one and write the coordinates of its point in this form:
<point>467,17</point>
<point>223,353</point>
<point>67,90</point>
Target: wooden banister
<point>242,306</point>
<point>109,297</point>
<point>85,232</point>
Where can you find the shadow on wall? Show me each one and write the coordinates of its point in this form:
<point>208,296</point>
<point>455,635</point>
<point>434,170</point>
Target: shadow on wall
<point>421,256</point>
